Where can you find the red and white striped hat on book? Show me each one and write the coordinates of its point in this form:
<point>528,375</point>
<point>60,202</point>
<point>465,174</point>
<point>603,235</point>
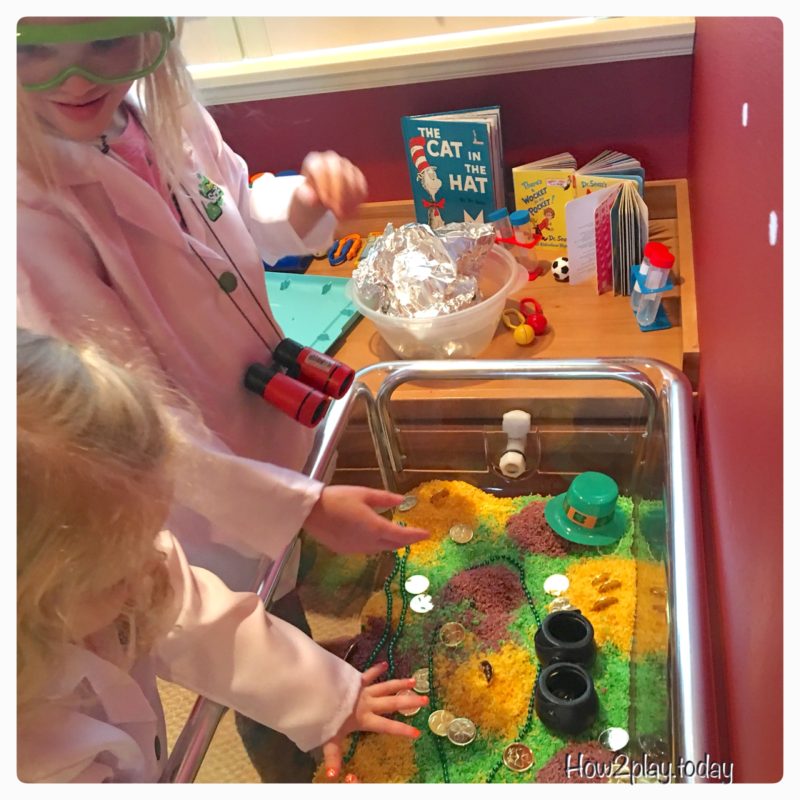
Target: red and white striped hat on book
<point>416,146</point>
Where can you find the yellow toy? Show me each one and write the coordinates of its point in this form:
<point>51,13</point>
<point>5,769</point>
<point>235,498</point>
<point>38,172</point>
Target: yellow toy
<point>523,334</point>
<point>514,320</point>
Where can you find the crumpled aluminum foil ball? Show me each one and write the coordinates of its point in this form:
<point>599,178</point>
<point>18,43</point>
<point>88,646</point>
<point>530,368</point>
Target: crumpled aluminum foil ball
<point>414,271</point>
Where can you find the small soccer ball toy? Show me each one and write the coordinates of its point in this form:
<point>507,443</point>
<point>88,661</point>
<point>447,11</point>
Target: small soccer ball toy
<point>560,269</point>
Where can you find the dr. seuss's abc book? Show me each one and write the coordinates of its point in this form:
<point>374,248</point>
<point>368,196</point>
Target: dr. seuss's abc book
<point>455,161</point>
<point>545,187</point>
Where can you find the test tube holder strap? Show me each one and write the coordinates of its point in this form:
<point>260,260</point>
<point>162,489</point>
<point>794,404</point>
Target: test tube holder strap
<point>661,322</point>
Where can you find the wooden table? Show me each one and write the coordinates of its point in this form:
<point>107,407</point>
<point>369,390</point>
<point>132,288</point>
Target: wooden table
<point>582,324</point>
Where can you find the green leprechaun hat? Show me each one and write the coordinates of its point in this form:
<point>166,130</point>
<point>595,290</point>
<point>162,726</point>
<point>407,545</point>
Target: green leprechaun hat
<point>588,512</point>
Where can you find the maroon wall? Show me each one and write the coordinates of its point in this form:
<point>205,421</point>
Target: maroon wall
<point>639,107</point>
<point>735,180</point>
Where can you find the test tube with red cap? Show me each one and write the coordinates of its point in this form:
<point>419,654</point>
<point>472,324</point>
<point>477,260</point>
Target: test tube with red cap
<point>653,274</point>
<point>523,235</point>
<point>502,226</point>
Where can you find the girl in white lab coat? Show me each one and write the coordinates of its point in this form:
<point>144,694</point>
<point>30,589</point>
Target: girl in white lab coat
<point>136,228</point>
<point>106,599</point>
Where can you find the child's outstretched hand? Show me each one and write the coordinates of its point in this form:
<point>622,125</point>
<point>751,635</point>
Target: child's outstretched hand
<point>344,519</point>
<point>374,700</point>
<point>332,183</point>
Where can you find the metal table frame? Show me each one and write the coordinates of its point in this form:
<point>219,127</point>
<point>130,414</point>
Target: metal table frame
<point>694,714</point>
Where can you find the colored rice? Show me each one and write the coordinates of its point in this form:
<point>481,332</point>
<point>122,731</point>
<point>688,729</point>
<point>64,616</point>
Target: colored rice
<point>530,531</point>
<point>489,602</point>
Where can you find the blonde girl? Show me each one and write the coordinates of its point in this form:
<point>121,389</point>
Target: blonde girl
<point>136,228</point>
<point>106,600</point>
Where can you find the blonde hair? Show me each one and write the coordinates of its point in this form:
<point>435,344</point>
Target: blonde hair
<point>165,95</point>
<point>93,490</point>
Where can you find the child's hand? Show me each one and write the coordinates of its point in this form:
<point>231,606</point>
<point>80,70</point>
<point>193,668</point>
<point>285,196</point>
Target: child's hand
<point>373,701</point>
<point>332,182</point>
<point>344,519</point>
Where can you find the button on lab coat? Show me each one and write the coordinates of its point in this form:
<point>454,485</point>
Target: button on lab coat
<point>102,256</point>
<point>220,644</point>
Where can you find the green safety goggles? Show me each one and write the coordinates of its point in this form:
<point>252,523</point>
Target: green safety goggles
<point>112,50</point>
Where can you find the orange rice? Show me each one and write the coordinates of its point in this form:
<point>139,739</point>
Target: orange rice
<point>443,503</point>
<point>499,706</point>
<point>378,759</point>
<point>615,622</point>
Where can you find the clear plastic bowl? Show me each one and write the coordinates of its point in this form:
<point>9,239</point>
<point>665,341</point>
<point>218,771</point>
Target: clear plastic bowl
<point>462,334</point>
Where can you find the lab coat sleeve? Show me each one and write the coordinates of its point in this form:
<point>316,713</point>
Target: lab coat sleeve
<point>69,298</point>
<point>224,646</point>
<point>254,497</point>
<point>265,207</point>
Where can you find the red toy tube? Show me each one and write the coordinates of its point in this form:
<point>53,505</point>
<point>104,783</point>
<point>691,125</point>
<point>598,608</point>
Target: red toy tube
<point>314,368</point>
<point>301,402</point>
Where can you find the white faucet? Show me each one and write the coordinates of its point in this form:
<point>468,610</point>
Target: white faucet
<point>516,425</point>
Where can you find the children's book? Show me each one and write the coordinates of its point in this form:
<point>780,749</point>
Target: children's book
<point>606,233</point>
<point>455,160</point>
<point>606,169</point>
<point>545,187</point>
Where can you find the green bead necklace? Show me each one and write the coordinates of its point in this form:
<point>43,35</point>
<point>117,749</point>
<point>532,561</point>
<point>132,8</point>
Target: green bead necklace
<point>400,566</point>
<point>525,729</point>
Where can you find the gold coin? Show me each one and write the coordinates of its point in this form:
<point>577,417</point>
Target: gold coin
<point>407,503</point>
<point>461,731</point>
<point>559,604</point>
<point>422,683</point>
<point>408,712</point>
<point>461,533</point>
<point>439,721</point>
<point>600,578</point>
<point>604,602</point>
<point>452,634</point>
<point>518,757</point>
<point>437,498</point>
<point>621,774</point>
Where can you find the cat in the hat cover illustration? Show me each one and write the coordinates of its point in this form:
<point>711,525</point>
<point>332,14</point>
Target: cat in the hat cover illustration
<point>428,179</point>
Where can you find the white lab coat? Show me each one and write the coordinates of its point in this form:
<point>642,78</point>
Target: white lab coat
<point>220,644</point>
<point>103,257</point>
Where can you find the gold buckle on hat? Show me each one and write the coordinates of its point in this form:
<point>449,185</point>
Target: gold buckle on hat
<point>584,520</point>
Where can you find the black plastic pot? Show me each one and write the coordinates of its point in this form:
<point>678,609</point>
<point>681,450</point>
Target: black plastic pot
<point>565,699</point>
<point>565,636</point>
